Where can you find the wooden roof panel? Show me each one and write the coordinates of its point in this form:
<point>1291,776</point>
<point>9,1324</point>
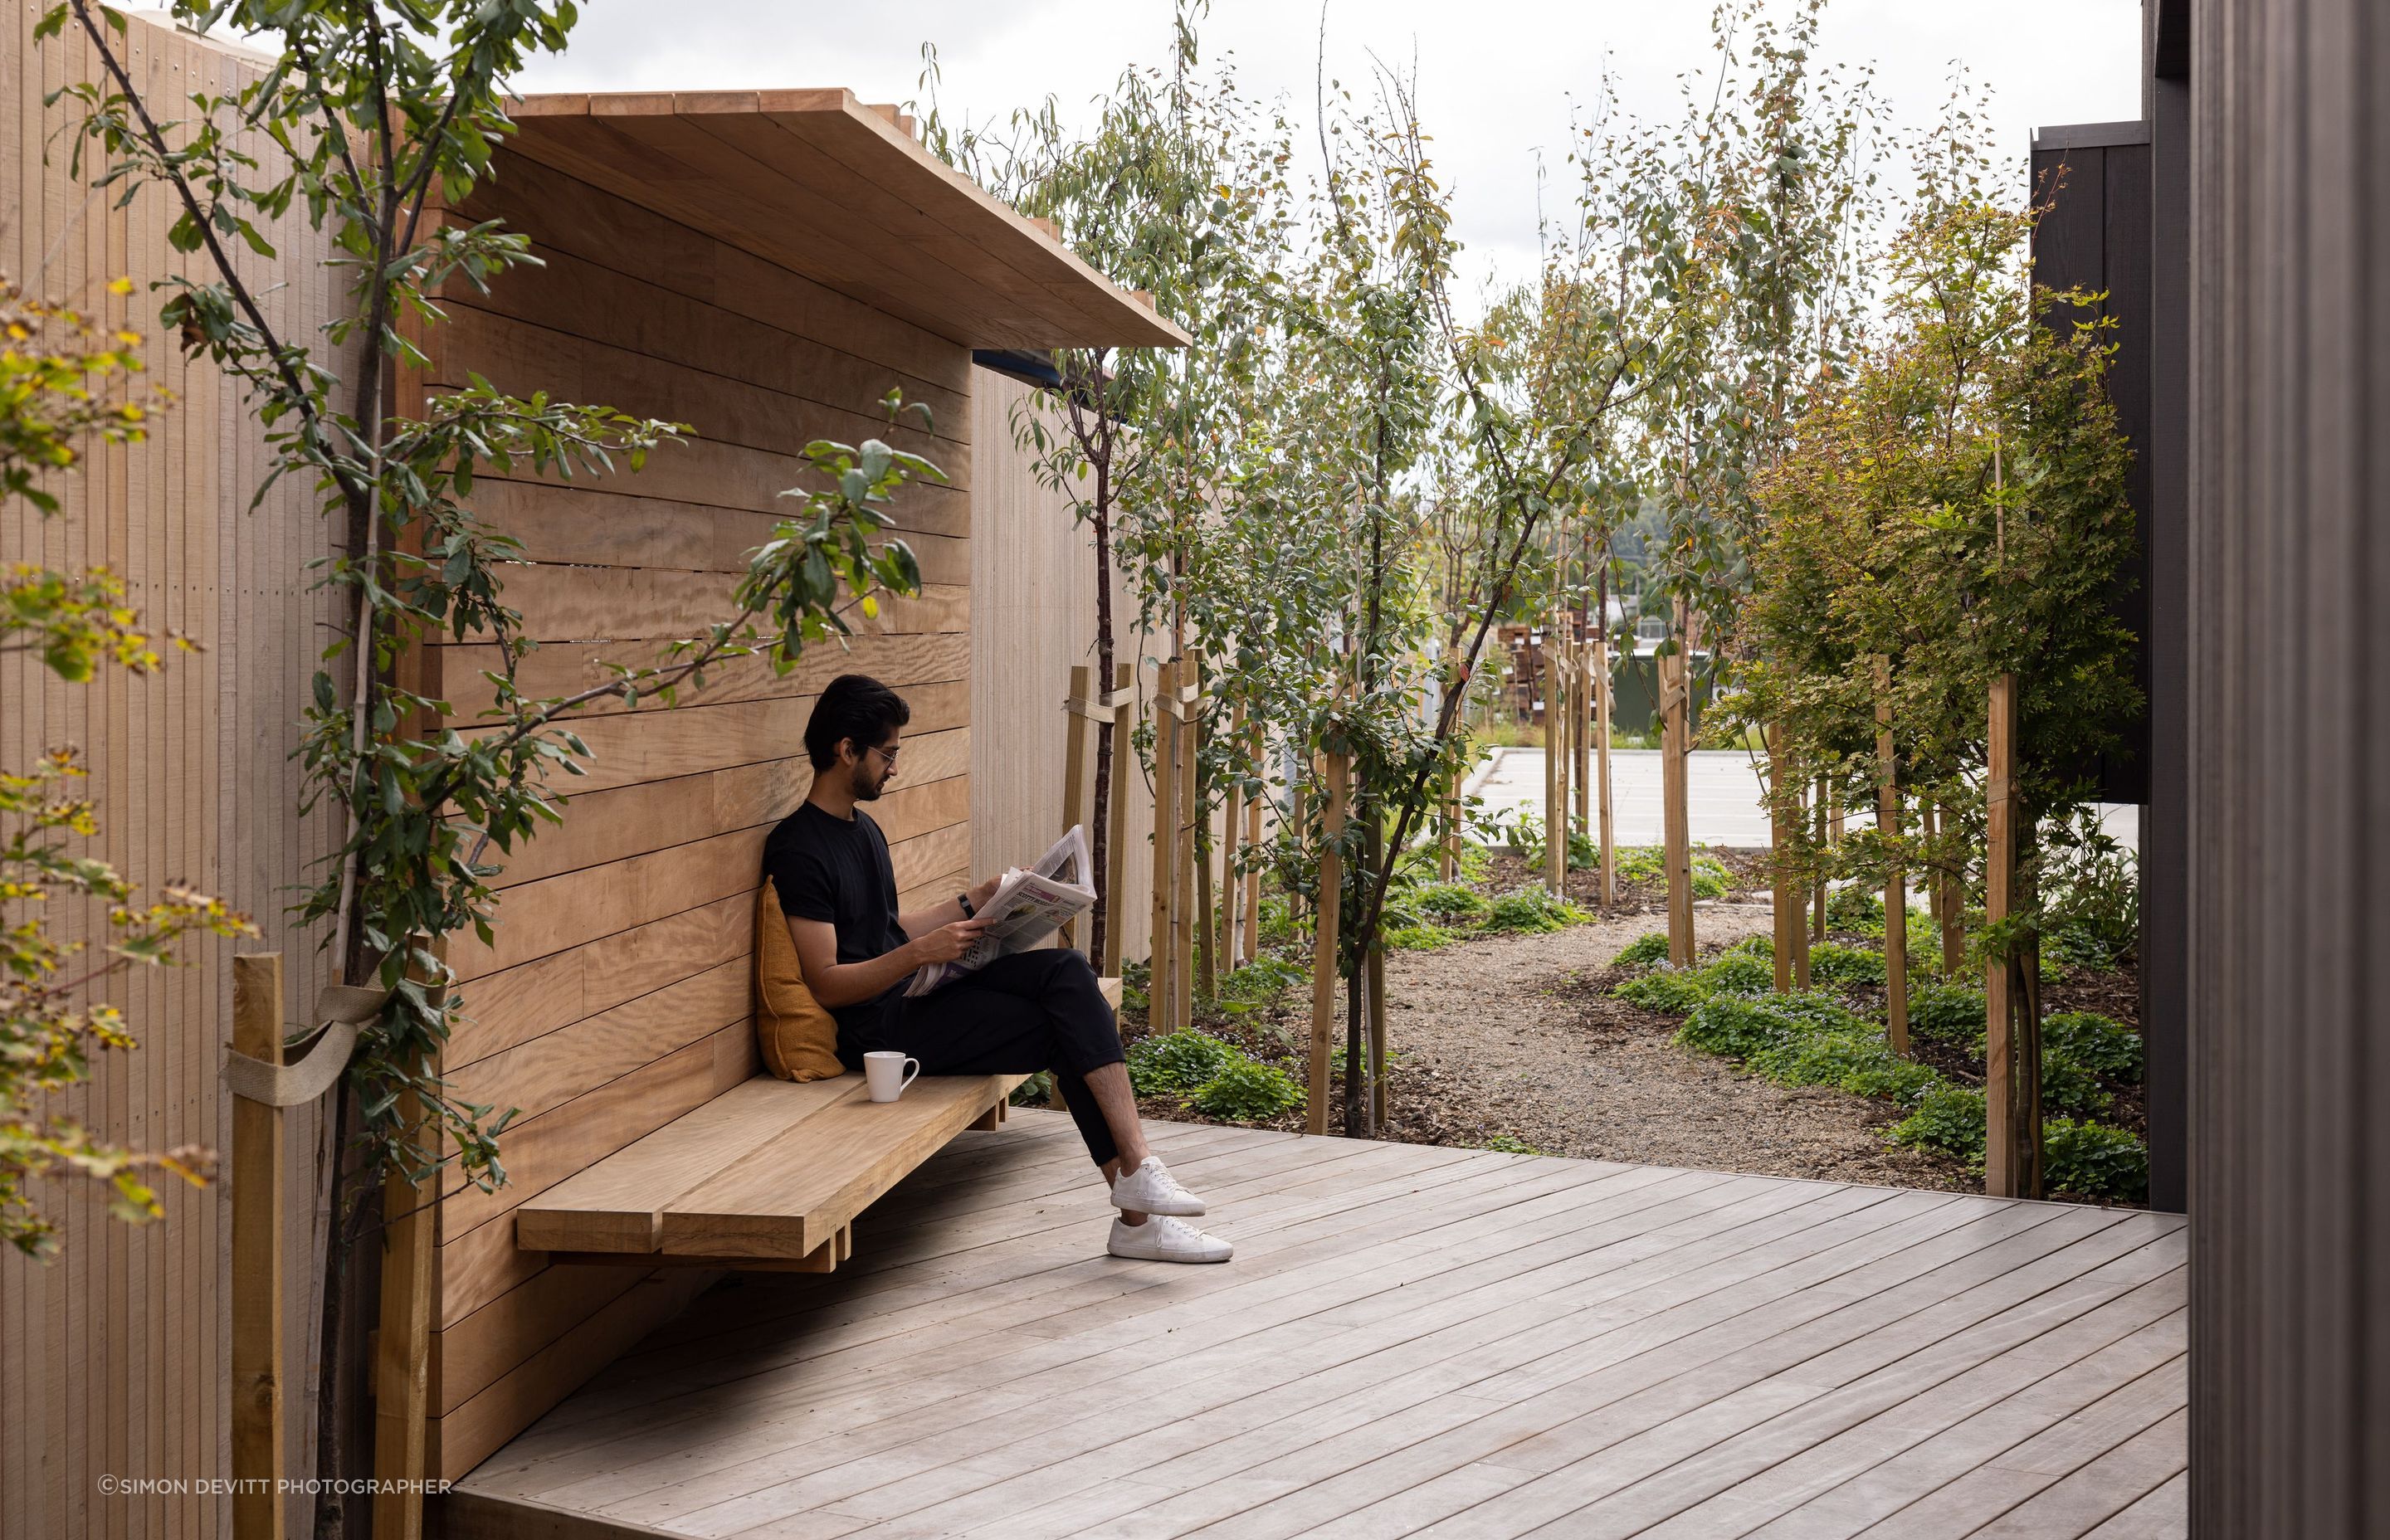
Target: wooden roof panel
<point>827,187</point>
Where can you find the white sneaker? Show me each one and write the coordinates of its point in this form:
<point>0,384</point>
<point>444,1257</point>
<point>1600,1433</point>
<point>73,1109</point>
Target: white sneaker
<point>1151,1189</point>
<point>1163,1238</point>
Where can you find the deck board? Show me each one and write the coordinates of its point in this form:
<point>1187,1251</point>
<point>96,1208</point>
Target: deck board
<point>1411,1340</point>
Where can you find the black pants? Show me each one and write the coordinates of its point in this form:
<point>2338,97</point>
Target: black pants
<point>1022,1013</point>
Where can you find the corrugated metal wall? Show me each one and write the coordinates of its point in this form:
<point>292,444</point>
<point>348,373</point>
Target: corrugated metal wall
<point>2290,737</point>
<point>113,1360</point>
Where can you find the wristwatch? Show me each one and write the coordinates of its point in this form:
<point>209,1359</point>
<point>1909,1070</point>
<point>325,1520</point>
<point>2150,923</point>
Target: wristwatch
<point>964,899</point>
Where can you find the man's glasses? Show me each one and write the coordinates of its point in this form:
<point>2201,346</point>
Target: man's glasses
<point>887,754</point>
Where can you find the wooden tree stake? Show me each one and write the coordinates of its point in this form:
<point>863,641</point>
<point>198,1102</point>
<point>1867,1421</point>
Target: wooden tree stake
<point>1779,897</point>
<point>1078,783</point>
<point>1999,1007</point>
<point>1555,768</point>
<point>1377,975</point>
<point>1580,734</point>
<point>1190,813</point>
<point>1602,766</point>
<point>1252,879</point>
<point>1116,847</point>
<point>401,1382</point>
<point>1895,885</point>
<point>1161,992</point>
<point>257,1202</point>
<point>1324,938</point>
<point>1675,743</point>
<point>1232,800</point>
<point>1827,820</point>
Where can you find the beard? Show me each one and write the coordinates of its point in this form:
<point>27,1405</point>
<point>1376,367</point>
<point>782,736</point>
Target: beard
<point>865,786</point>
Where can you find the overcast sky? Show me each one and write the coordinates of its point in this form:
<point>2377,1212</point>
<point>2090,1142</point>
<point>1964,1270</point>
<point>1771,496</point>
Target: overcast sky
<point>1497,78</point>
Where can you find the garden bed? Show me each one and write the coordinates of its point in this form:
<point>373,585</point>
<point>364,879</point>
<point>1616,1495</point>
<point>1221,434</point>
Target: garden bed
<point>1506,1042</point>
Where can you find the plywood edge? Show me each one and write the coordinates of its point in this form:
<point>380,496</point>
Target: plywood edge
<point>780,1206</point>
<point>617,1205</point>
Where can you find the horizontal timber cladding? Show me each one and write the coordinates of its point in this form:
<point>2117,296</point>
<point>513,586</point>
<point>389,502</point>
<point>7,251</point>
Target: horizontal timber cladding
<point>519,358</point>
<point>568,668</point>
<point>584,604</point>
<point>616,991</point>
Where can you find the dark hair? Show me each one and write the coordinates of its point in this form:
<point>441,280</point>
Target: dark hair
<point>852,706</point>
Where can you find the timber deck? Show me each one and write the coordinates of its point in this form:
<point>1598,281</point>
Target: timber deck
<point>1411,1340</point>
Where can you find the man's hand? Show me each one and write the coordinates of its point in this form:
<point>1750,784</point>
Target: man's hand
<point>949,941</point>
<point>985,891</point>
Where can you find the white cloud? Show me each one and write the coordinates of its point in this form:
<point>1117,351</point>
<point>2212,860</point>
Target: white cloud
<point>1496,80</point>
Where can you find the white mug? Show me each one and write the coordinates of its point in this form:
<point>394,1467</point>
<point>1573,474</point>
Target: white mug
<point>889,1074</point>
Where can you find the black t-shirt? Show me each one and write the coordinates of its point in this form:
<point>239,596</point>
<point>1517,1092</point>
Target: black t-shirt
<point>826,869</point>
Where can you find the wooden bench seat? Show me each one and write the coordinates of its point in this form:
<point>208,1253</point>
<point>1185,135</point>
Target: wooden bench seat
<point>767,1177</point>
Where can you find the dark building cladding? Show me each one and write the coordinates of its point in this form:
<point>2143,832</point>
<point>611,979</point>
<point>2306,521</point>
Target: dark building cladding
<point>2266,920</point>
<point>2105,230</point>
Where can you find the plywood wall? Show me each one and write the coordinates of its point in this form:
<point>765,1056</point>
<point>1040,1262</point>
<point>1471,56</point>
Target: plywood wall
<point>113,1360</point>
<point>616,994</point>
<point>1034,588</point>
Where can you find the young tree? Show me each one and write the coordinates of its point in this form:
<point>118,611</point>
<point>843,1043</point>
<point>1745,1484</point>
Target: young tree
<point>378,114</point>
<point>1958,507</point>
<point>1164,194</point>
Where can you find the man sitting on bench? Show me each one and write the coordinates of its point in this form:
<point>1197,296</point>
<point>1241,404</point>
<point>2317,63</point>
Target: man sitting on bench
<point>1023,1012</point>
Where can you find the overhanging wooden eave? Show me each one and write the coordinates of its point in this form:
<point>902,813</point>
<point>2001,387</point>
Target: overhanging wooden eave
<point>823,186</point>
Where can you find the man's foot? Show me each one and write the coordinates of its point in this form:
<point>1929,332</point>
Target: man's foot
<point>1150,1188</point>
<point>1163,1238</point>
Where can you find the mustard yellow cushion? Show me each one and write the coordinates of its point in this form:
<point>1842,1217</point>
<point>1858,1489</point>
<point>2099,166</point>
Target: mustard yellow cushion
<point>798,1037</point>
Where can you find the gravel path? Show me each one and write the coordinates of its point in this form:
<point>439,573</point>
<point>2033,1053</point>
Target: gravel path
<point>1519,1038</point>
<point>1515,1035</point>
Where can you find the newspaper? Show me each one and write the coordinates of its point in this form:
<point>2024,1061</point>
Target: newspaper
<point>1026,907</point>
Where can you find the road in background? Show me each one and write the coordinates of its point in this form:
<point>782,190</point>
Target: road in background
<point>1725,797</point>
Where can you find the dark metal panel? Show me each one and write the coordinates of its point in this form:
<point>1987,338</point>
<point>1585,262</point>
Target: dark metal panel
<point>2093,235</point>
<point>2089,135</point>
<point>2289,692</point>
<point>2165,957</point>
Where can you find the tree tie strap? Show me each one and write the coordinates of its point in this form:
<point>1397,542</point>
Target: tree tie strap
<point>346,1009</point>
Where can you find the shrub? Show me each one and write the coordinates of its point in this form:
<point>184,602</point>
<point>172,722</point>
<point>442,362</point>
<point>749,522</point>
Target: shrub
<point>1738,973</point>
<point>1853,907</point>
<point>2091,897</point>
<point>1831,962</point>
<point>1263,982</point>
<point>1136,980</point>
<point>1646,950</point>
<point>1948,1120</point>
<point>1036,1091</point>
<point>1948,1013</point>
<point>1671,992</point>
<point>1418,938</point>
<point>1814,1011</point>
<point>1532,911</point>
<point>1733,1027</point>
<point>2094,1161</point>
<point>2098,1042</point>
<point>1450,902</point>
<point>1648,864</point>
<point>1177,1061</point>
<point>1247,1089</point>
<point>1757,944</point>
<point>2067,1086</point>
<point>1857,1062</point>
<point>1509,1144</point>
<point>1278,919</point>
